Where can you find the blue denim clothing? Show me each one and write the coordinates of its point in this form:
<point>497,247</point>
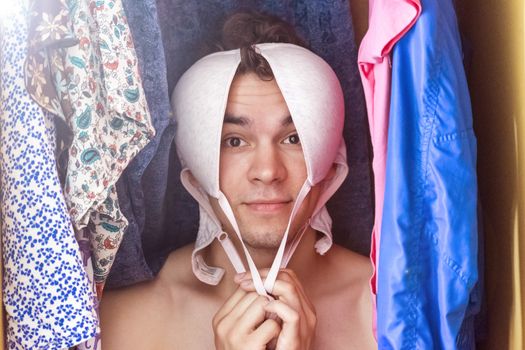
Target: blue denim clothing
<point>428,262</point>
<point>327,28</point>
<point>139,195</point>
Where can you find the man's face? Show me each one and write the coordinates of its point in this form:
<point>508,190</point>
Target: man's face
<point>262,166</point>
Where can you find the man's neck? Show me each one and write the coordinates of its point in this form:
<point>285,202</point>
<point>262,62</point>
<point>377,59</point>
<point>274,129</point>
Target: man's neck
<point>303,261</point>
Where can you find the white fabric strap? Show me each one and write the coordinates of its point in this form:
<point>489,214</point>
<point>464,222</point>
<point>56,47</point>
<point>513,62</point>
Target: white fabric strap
<point>231,252</point>
<point>226,208</point>
<point>290,249</point>
<point>276,265</point>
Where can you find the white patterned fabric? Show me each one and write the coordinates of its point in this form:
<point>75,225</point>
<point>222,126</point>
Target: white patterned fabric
<point>104,104</point>
<point>48,299</point>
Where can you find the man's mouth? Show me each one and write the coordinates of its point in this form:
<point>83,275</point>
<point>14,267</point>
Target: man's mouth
<point>267,206</point>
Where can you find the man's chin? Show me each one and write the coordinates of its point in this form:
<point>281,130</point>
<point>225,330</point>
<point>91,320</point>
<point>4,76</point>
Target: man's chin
<point>263,241</point>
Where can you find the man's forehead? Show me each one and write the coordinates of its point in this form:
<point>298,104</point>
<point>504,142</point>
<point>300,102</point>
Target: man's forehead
<point>249,88</point>
<point>252,100</point>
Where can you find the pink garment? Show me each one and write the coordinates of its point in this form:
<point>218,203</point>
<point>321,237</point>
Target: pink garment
<point>388,21</point>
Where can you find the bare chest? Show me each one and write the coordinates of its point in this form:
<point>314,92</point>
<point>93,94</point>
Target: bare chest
<point>190,326</point>
<point>343,323</point>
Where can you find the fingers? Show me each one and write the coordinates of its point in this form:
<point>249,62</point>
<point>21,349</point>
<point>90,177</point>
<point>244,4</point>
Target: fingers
<point>229,304</point>
<point>245,325</point>
<point>291,274</point>
<point>292,306</point>
<point>290,337</point>
<point>286,313</point>
<point>284,275</point>
<point>283,290</point>
<point>243,304</point>
<point>287,288</point>
<point>288,292</point>
<point>253,315</point>
<point>267,331</point>
<point>240,276</point>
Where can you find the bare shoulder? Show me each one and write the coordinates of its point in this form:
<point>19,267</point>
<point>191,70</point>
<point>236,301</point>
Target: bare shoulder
<point>349,268</point>
<point>135,317</point>
<point>344,301</point>
<point>349,275</point>
<point>123,315</point>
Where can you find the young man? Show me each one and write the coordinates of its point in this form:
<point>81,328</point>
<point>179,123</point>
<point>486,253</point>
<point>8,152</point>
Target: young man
<point>260,137</point>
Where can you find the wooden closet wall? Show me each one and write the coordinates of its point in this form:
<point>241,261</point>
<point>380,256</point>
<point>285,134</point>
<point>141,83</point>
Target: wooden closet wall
<point>496,32</point>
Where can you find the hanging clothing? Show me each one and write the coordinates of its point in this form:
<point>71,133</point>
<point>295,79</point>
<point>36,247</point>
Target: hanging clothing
<point>142,197</point>
<point>474,325</point>
<point>428,261</point>
<point>49,302</point>
<point>388,21</point>
<point>83,239</point>
<point>327,27</point>
<point>50,29</point>
<point>100,93</point>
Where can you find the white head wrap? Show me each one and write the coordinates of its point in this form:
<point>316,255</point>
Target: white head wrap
<point>315,100</point>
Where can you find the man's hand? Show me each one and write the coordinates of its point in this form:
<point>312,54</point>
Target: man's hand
<point>292,306</point>
<point>241,324</point>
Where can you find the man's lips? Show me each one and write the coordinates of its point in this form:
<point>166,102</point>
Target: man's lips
<point>267,206</point>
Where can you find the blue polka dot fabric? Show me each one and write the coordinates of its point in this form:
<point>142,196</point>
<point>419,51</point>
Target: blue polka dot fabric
<point>49,302</point>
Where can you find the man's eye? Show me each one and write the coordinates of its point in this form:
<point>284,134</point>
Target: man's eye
<point>234,142</point>
<point>292,139</point>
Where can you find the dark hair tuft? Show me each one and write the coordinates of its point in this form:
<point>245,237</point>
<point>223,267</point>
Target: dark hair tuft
<point>243,30</point>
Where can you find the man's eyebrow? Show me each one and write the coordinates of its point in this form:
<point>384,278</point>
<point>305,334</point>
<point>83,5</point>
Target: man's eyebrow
<point>287,121</point>
<point>241,121</point>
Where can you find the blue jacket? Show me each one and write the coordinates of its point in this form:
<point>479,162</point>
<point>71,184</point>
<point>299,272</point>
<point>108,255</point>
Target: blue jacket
<point>428,259</point>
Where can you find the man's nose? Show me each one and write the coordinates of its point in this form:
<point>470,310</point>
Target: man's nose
<point>267,165</point>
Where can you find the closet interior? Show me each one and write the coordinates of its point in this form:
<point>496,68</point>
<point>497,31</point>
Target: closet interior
<point>493,34</point>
